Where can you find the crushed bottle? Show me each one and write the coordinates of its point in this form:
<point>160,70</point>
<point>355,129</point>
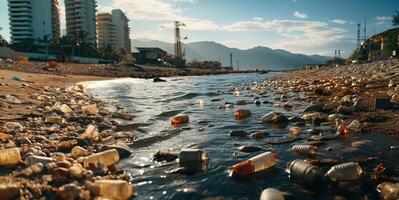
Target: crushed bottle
<point>306,173</point>
<point>345,172</point>
<point>105,158</point>
<point>38,159</point>
<point>304,149</point>
<point>260,162</point>
<point>10,157</point>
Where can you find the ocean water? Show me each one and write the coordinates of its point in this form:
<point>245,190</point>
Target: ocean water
<point>154,104</point>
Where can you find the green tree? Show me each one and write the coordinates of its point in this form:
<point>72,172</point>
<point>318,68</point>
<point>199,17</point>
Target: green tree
<point>395,19</point>
<point>3,42</point>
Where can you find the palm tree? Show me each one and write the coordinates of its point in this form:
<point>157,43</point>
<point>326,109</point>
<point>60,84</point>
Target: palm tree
<point>3,42</point>
<point>395,19</point>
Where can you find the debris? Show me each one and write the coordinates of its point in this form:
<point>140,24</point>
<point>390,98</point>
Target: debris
<point>345,172</point>
<point>306,173</point>
<point>271,194</point>
<point>260,162</point>
<point>242,113</point>
<point>238,133</point>
<point>192,155</point>
<point>304,149</point>
<point>180,119</point>
<point>105,158</point>
<point>10,157</point>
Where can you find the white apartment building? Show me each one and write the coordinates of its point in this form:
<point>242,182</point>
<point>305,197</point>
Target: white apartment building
<point>34,19</point>
<point>113,29</point>
<point>81,19</point>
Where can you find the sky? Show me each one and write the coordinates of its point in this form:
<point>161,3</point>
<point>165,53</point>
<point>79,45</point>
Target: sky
<point>299,26</point>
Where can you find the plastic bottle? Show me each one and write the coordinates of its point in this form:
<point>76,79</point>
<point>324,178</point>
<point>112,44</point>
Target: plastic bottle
<point>9,157</point>
<point>241,113</point>
<point>271,194</point>
<point>295,131</point>
<point>78,151</point>
<point>306,173</point>
<point>112,189</point>
<point>343,130</point>
<point>304,148</point>
<point>345,172</point>
<point>354,126</point>
<point>255,164</point>
<point>105,158</point>
<point>180,119</point>
<point>38,159</point>
<point>192,155</point>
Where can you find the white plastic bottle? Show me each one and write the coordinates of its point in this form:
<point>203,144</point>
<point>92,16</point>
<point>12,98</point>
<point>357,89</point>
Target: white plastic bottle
<point>254,164</point>
<point>271,194</point>
<point>345,172</point>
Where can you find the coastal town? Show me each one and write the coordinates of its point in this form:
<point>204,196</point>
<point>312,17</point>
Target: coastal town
<point>86,114</point>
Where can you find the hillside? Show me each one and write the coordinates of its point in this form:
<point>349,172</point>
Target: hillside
<point>257,57</point>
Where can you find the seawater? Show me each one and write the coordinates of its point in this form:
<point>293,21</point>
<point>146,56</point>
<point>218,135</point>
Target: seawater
<point>154,104</point>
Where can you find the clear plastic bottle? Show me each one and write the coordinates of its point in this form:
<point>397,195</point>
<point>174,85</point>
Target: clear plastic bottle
<point>254,164</point>
<point>192,155</point>
<point>271,194</point>
<point>10,157</point>
<point>306,173</point>
<point>304,148</point>
<point>345,172</point>
<point>38,159</point>
<point>105,158</point>
<point>354,126</point>
<point>112,189</point>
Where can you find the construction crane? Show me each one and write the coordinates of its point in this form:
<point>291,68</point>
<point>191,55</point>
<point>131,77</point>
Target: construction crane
<point>178,47</point>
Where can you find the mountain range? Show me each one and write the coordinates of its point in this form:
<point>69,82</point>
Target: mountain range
<point>254,58</point>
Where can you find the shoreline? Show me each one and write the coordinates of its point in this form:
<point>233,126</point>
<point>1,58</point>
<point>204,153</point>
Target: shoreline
<point>110,70</point>
<point>350,91</point>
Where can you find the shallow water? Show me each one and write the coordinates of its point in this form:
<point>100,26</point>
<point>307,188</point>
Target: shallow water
<point>154,104</point>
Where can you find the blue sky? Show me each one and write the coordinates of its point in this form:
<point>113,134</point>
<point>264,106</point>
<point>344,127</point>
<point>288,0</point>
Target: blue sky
<point>300,26</point>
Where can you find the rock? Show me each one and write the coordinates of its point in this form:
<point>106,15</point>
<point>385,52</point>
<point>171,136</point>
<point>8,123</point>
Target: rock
<point>257,103</point>
<point>55,120</point>
<point>72,191</point>
<point>274,117</point>
<point>164,156</point>
<point>157,79</point>
<point>9,190</point>
<point>77,171</point>
<point>360,105</point>
<point>345,110</point>
<point>34,169</point>
<point>314,108</point>
<point>91,109</point>
<point>65,109</point>
<point>388,191</point>
<point>11,99</point>
<point>78,151</point>
<point>123,150</point>
<point>238,133</point>
<point>241,102</point>
<point>249,149</point>
<point>258,135</point>
<point>311,116</point>
<point>13,127</point>
<point>90,134</point>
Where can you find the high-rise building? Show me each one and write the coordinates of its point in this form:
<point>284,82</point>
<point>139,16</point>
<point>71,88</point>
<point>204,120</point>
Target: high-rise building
<point>120,21</point>
<point>81,20</point>
<point>106,35</point>
<point>113,30</point>
<point>34,19</point>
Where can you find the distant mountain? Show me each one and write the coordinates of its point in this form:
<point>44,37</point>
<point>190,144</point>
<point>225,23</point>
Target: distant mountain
<point>257,57</point>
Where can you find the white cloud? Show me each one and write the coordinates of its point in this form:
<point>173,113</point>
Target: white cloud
<point>158,10</point>
<point>339,21</point>
<point>258,18</point>
<point>383,18</point>
<point>297,35</point>
<point>300,15</point>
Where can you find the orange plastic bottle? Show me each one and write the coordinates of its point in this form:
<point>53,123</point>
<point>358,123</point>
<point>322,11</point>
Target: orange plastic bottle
<point>255,164</point>
<point>180,119</point>
<point>343,130</point>
<point>242,113</point>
